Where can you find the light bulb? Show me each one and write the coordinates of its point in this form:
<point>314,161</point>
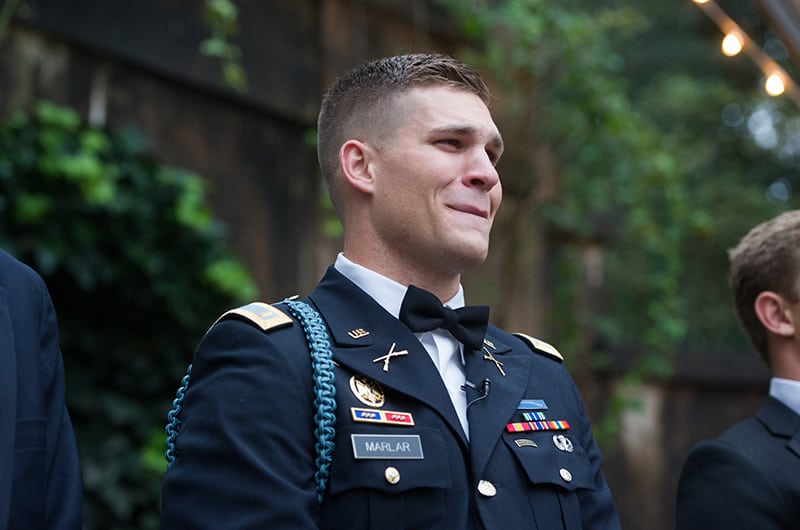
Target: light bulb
<point>731,44</point>
<point>774,85</point>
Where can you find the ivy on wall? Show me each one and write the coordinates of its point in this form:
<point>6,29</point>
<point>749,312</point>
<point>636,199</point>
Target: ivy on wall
<point>222,19</point>
<point>136,266</point>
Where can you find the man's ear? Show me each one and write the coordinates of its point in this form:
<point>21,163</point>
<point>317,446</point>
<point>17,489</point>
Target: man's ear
<point>773,312</point>
<point>354,158</point>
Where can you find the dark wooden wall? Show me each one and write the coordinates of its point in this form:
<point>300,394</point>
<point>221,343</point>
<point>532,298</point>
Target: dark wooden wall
<point>136,63</point>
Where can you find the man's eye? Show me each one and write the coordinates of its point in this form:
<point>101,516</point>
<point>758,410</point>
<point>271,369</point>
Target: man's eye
<point>451,142</point>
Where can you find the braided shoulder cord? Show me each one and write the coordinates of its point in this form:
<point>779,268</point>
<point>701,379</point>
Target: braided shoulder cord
<point>324,395</point>
<point>324,389</point>
<point>173,418</point>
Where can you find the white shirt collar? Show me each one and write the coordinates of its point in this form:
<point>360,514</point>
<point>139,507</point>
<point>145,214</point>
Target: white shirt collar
<point>387,292</point>
<point>787,391</point>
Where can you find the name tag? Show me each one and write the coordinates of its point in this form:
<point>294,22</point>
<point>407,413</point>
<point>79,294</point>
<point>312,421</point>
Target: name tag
<point>396,446</point>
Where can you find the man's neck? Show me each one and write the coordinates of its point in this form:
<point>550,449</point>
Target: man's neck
<point>785,359</point>
<point>444,286</point>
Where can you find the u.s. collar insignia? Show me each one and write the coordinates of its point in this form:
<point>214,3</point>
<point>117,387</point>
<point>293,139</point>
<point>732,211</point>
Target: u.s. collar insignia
<point>358,333</point>
<point>367,391</point>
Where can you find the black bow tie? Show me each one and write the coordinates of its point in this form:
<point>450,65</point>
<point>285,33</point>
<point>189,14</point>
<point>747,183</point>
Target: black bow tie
<point>422,311</point>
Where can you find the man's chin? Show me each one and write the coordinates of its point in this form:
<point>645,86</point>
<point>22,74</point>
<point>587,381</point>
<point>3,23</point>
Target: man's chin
<point>470,257</point>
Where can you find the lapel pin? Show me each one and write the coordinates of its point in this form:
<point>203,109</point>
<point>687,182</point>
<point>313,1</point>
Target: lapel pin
<point>489,357</point>
<point>358,333</point>
<point>388,357</point>
<point>367,391</point>
<point>562,443</point>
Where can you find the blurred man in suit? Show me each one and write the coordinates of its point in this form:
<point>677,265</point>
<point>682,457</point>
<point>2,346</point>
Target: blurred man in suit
<point>749,477</point>
<point>40,477</point>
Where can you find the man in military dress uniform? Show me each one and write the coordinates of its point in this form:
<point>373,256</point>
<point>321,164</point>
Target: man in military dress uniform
<point>442,421</point>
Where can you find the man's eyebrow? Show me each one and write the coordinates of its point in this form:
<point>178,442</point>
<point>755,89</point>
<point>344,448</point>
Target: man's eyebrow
<point>467,130</point>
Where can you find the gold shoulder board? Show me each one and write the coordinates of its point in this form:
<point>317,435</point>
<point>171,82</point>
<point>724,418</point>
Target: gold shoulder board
<point>541,346</point>
<point>261,314</point>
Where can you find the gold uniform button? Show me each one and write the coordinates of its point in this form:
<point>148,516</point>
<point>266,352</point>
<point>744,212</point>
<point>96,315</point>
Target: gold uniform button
<point>565,474</point>
<point>392,475</point>
<point>486,488</point>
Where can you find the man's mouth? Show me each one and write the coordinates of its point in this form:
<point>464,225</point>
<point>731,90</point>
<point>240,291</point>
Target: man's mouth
<point>470,209</point>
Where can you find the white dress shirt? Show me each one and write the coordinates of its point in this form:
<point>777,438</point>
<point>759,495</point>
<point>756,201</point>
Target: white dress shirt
<point>445,351</point>
<point>787,391</point>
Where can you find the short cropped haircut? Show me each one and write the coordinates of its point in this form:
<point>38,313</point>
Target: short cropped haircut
<point>766,259</point>
<point>364,99</point>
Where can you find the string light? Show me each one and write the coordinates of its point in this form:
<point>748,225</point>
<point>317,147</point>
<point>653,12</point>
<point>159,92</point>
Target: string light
<point>735,41</point>
<point>732,44</point>
<point>774,85</point>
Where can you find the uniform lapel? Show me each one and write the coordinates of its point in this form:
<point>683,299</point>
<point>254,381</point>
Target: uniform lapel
<point>487,417</point>
<point>362,331</point>
<point>8,405</point>
<point>781,421</point>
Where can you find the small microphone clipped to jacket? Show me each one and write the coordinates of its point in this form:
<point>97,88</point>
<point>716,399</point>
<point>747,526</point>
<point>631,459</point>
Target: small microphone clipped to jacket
<point>482,388</point>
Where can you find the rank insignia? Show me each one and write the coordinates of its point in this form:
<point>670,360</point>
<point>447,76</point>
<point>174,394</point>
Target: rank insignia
<point>382,416</point>
<point>367,391</point>
<point>532,404</point>
<point>560,425</point>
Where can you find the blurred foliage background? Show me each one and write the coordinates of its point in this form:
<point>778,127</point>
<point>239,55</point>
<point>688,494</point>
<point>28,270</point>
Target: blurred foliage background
<point>137,269</point>
<point>627,132</point>
<point>657,148</point>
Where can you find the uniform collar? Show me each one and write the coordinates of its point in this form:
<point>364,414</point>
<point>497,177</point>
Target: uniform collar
<point>385,291</point>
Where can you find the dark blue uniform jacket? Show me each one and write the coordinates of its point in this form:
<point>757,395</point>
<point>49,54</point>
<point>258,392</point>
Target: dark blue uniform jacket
<point>246,448</point>
<point>40,480</point>
<point>748,478</point>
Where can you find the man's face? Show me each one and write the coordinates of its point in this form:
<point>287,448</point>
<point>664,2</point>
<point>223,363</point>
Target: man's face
<point>436,187</point>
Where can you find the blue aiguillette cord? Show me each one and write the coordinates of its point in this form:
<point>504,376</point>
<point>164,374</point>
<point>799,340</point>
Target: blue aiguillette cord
<point>324,394</point>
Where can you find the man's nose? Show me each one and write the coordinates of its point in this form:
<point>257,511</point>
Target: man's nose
<point>482,172</point>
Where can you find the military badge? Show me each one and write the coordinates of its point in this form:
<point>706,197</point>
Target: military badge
<point>367,391</point>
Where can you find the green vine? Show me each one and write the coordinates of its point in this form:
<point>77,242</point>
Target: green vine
<point>222,18</point>
<point>137,268</point>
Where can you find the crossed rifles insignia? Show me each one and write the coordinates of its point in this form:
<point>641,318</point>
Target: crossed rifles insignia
<point>388,357</point>
<point>487,356</point>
